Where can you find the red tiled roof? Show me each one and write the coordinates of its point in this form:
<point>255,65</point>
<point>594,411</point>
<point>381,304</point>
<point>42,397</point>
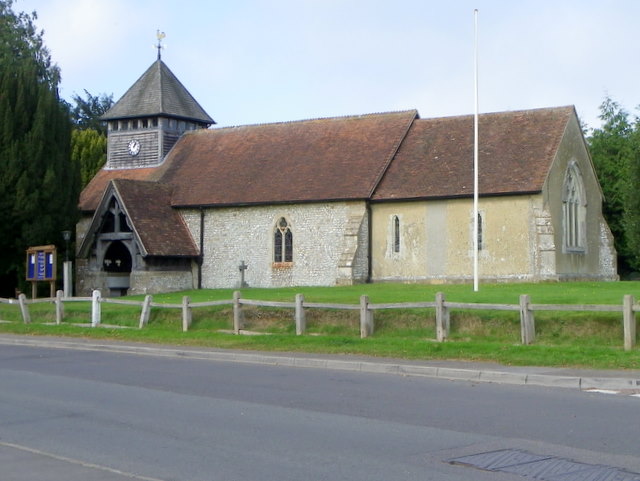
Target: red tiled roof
<point>516,151</point>
<point>160,228</point>
<point>312,160</point>
<point>92,193</point>
<point>341,159</point>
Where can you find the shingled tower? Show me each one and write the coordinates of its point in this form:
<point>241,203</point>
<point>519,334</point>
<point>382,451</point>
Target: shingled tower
<point>150,117</point>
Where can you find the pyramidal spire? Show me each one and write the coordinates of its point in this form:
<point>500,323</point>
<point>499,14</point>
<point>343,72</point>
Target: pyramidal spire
<point>158,92</point>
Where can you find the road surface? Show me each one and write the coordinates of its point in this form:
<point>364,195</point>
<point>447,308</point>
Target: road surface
<point>104,416</point>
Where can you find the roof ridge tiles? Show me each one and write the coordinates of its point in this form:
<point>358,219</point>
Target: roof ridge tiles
<point>315,119</point>
<point>501,113</point>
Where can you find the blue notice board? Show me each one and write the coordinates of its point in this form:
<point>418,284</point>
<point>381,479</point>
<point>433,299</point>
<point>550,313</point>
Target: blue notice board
<point>41,263</point>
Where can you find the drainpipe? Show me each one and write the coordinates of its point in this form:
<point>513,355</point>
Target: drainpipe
<point>201,256</point>
<point>369,243</point>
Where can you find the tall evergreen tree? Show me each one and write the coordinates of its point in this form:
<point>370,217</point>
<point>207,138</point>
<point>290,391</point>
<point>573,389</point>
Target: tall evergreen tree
<point>39,185</point>
<point>610,150</point>
<point>615,149</point>
<point>632,203</point>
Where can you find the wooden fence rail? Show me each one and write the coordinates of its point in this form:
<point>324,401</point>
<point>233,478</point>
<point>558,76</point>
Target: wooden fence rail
<point>526,309</point>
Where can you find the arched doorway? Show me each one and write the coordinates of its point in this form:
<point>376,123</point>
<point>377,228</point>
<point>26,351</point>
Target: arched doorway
<point>117,264</point>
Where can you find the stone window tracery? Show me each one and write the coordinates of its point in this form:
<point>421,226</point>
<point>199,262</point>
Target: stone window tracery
<point>282,242</point>
<point>574,209</point>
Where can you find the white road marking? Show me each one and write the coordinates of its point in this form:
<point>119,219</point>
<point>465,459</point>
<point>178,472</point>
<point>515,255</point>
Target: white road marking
<point>604,391</point>
<point>78,462</point>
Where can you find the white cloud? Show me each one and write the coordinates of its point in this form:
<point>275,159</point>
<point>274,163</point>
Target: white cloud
<point>261,60</point>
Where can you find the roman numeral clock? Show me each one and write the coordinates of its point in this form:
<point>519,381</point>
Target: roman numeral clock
<point>134,147</point>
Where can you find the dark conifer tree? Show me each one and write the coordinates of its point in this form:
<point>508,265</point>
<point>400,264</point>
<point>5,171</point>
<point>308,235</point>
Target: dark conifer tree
<point>39,185</point>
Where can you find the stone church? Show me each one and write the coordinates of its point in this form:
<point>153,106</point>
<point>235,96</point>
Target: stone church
<point>384,197</point>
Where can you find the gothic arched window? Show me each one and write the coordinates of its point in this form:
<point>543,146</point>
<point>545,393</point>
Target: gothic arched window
<point>282,242</point>
<point>574,210</point>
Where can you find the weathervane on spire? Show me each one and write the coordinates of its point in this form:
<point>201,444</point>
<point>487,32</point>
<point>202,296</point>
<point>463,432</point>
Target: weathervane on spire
<point>159,46</point>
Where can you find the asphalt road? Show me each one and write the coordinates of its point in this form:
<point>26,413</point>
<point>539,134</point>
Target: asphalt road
<point>103,416</point>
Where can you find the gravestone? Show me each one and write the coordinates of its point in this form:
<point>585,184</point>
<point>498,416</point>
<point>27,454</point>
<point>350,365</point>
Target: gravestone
<point>243,267</point>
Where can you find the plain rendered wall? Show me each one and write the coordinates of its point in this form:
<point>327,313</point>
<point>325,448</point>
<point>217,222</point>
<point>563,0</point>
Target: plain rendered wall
<point>522,235</point>
<point>436,240</point>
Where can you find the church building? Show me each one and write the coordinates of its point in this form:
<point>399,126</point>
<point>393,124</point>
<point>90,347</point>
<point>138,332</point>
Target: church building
<point>383,197</point>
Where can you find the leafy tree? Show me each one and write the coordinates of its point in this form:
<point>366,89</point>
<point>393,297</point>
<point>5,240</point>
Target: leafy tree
<point>89,150</point>
<point>89,138</point>
<point>39,185</point>
<point>610,150</point>
<point>615,149</point>
<point>632,205</point>
<point>86,113</point>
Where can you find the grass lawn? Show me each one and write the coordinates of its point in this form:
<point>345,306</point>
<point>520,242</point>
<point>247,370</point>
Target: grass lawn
<point>591,339</point>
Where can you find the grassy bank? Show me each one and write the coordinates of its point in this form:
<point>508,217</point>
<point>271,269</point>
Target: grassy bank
<point>563,338</point>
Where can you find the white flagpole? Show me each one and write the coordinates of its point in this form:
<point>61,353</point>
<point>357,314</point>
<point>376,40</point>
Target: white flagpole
<point>475,157</point>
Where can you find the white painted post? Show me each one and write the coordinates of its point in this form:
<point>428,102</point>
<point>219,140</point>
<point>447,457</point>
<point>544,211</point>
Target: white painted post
<point>186,314</point>
<point>67,278</point>
<point>237,313</point>
<point>301,321</point>
<point>146,311</point>
<point>59,307</point>
<point>629,322</point>
<point>366,318</point>
<point>24,309</point>
<point>527,321</point>
<point>95,308</point>
<point>443,324</point>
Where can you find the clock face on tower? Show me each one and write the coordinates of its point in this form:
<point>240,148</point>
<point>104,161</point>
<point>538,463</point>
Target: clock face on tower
<point>134,147</point>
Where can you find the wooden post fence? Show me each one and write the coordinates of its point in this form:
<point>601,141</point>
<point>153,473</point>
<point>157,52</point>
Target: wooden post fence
<point>146,311</point>
<point>629,322</point>
<point>301,321</point>
<point>24,309</point>
<point>237,313</point>
<point>187,315</point>
<point>95,308</point>
<point>443,323</point>
<point>59,307</point>
<point>442,311</point>
<point>366,318</point>
<point>527,321</point>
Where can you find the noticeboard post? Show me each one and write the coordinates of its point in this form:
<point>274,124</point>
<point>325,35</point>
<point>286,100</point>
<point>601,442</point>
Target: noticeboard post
<point>41,266</point>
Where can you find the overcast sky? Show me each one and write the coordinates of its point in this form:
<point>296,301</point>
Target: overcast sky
<point>256,61</point>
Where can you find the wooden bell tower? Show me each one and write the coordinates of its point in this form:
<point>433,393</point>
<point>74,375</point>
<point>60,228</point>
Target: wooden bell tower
<point>150,117</point>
